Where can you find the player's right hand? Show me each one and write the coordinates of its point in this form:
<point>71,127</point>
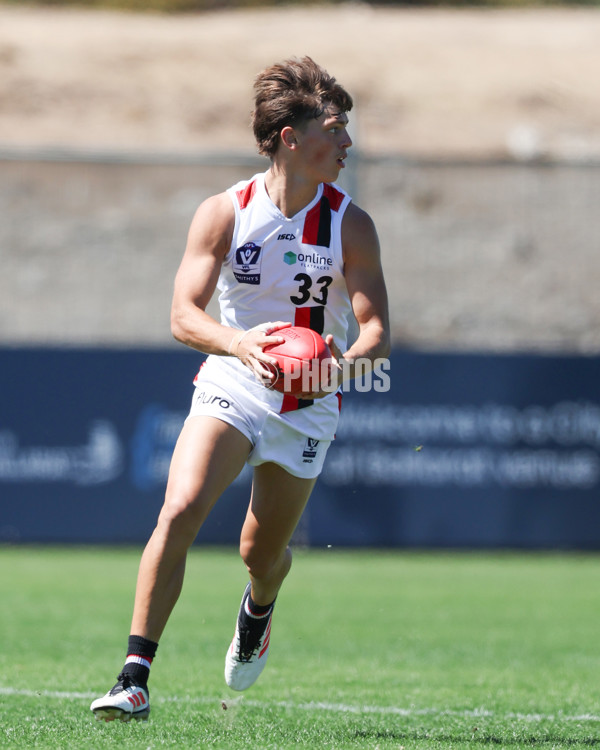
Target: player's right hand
<point>248,347</point>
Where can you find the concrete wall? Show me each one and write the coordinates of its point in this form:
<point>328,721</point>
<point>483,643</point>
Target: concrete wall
<point>484,256</point>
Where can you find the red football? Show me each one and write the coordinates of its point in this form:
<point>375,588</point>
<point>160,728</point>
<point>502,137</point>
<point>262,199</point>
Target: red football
<point>299,360</point>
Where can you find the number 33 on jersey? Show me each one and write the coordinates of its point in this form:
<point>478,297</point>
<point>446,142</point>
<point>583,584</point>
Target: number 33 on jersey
<point>281,268</point>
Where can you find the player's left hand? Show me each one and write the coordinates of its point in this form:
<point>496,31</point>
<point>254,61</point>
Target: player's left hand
<point>335,372</point>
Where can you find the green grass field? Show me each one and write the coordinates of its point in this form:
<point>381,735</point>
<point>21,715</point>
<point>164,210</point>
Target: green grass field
<point>370,650</point>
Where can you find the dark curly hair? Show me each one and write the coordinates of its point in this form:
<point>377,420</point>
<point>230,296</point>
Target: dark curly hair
<point>291,93</point>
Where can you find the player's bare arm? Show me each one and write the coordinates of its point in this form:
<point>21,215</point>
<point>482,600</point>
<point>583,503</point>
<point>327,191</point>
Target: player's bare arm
<point>366,286</point>
<point>209,240</point>
<point>368,295</point>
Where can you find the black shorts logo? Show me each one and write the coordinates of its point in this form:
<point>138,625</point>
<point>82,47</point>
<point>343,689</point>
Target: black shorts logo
<point>246,266</point>
<point>310,448</point>
<point>209,398</point>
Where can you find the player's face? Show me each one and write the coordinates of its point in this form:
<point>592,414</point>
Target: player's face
<point>325,142</point>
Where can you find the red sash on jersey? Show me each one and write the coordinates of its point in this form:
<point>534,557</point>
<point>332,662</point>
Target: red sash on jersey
<point>313,318</point>
<point>317,224</point>
<point>317,231</point>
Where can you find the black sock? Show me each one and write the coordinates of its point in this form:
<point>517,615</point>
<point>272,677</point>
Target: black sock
<point>253,621</point>
<point>256,610</point>
<point>140,653</point>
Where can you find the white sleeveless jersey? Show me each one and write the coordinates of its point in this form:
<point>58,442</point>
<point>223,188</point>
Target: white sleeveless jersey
<point>288,269</point>
<point>281,268</point>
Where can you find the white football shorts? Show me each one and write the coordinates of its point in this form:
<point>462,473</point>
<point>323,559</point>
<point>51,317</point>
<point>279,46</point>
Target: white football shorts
<point>291,439</point>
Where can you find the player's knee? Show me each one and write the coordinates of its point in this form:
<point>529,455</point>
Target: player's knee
<point>180,520</point>
<point>265,564</point>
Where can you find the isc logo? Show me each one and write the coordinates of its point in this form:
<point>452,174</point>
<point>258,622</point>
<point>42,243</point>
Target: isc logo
<point>286,237</point>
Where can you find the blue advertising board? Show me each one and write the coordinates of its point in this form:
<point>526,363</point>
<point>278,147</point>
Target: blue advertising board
<point>469,451</point>
<point>463,450</point>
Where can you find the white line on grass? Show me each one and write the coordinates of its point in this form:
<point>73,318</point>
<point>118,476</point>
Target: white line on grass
<point>341,708</point>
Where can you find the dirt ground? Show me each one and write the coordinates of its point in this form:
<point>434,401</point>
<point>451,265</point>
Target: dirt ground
<point>434,82</point>
<point>478,255</point>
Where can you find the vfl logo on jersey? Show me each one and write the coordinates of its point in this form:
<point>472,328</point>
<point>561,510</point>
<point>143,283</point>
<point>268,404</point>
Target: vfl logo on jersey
<point>246,266</point>
<point>310,450</point>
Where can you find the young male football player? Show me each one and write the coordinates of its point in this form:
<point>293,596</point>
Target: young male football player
<point>286,246</point>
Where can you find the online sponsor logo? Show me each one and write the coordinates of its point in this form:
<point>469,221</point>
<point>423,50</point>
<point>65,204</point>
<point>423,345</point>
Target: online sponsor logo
<point>307,260</point>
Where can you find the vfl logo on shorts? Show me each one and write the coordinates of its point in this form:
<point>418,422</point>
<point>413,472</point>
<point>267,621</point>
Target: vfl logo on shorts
<point>310,450</point>
<point>246,265</point>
